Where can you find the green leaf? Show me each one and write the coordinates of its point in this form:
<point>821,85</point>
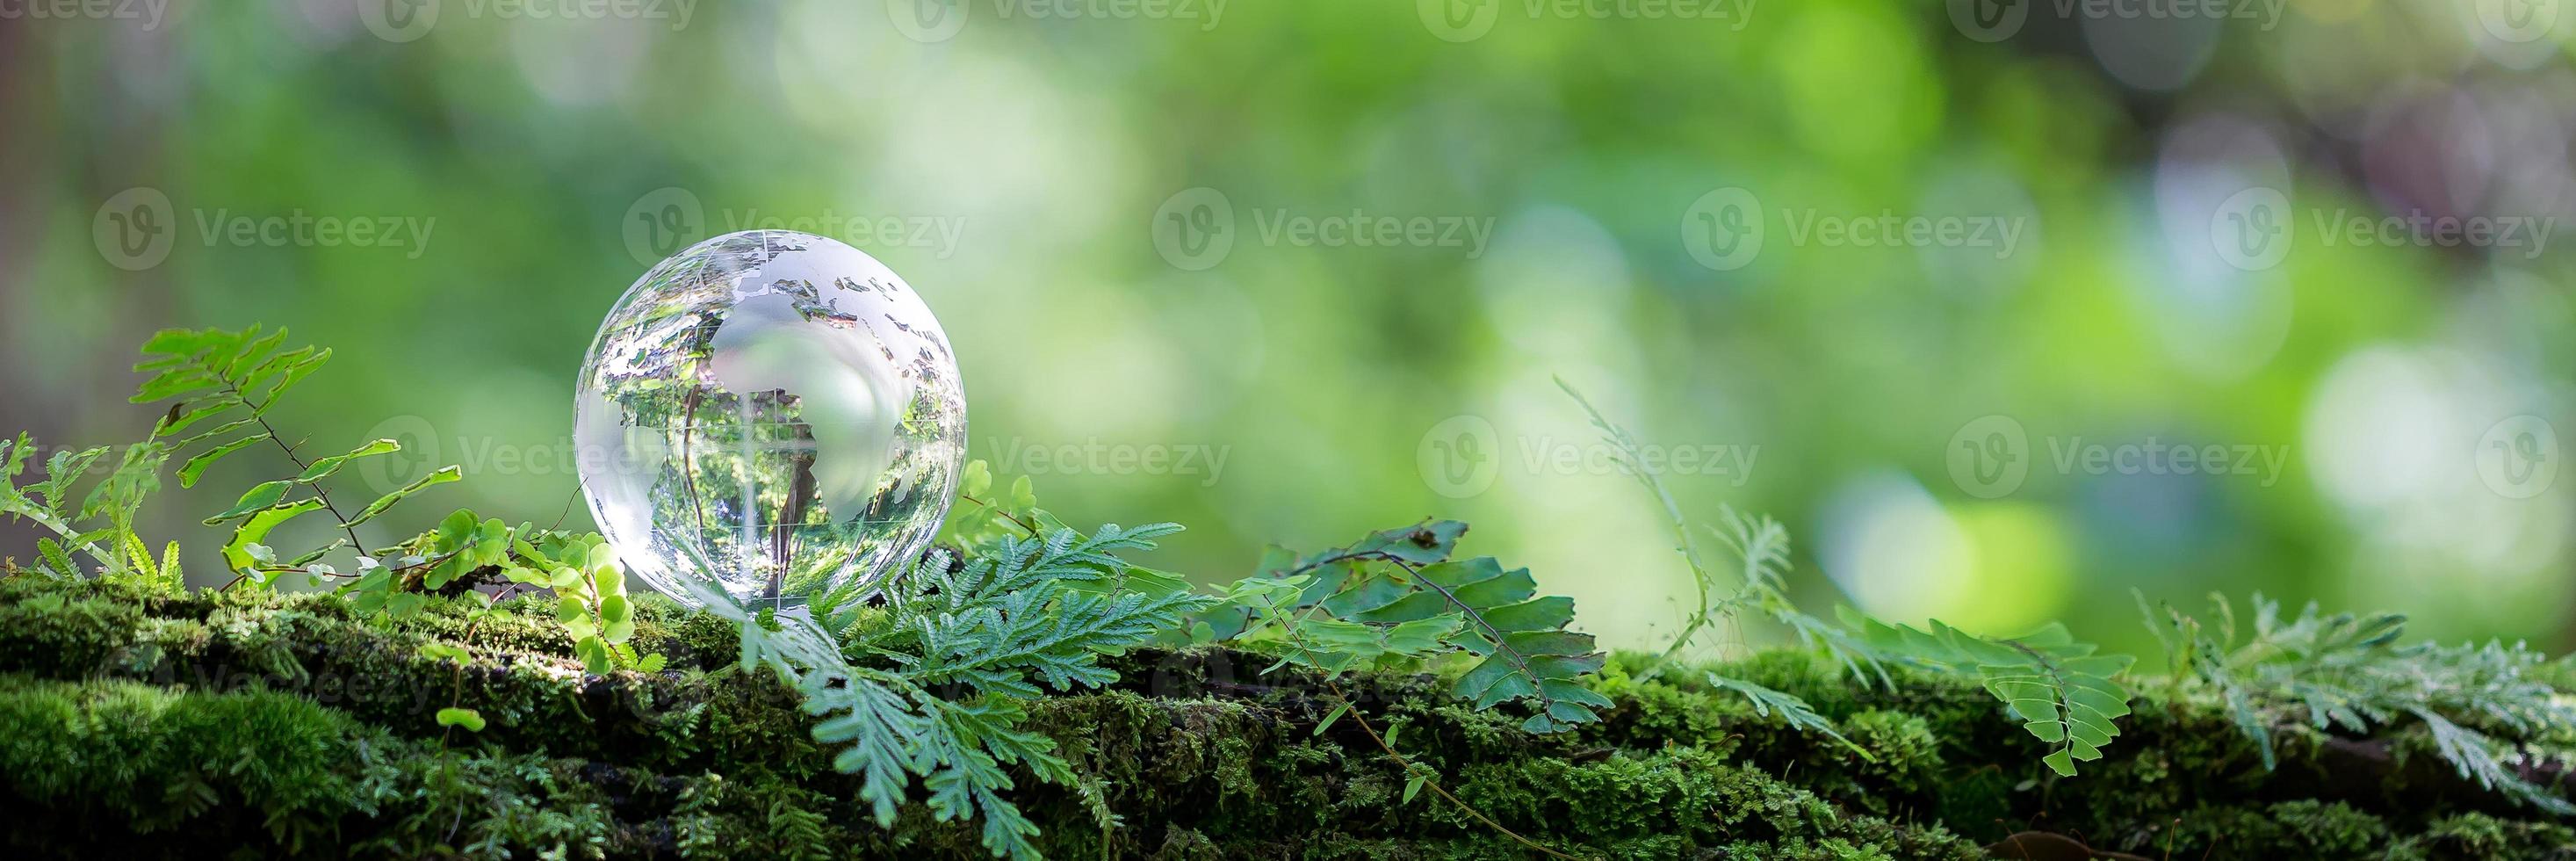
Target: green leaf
<point>294,373</point>
<point>55,558</point>
<point>318,552</point>
<point>323,468</point>
<point>445,572</point>
<point>180,342</point>
<point>1023,494</point>
<point>238,364</point>
<point>173,382</point>
<point>444,475</point>
<point>258,497</point>
<point>444,652</point>
<point>196,466</point>
<point>187,413</point>
<point>237,553</point>
<point>268,368</point>
<point>617,619</point>
<point>595,656</point>
<point>225,429</point>
<point>2055,687</point>
<point>1790,709</point>
<point>1154,583</point>
<point>1329,717</point>
<point>1395,595</point>
<point>2062,762</point>
<point>607,579</point>
<point>1540,614</point>
<point>468,719</point>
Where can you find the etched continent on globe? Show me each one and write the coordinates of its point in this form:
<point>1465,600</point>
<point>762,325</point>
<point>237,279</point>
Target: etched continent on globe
<point>769,412</point>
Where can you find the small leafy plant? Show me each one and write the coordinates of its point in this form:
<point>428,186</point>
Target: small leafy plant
<point>98,524</point>
<point>222,387</point>
<point>2062,692</point>
<point>232,380</point>
<point>590,601</point>
<point>925,677</point>
<point>1018,617</point>
<point>2347,672</point>
<point>1397,596</point>
<point>2057,687</point>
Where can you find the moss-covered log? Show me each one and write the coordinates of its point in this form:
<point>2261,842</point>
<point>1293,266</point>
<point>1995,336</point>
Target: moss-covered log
<point>136,724</point>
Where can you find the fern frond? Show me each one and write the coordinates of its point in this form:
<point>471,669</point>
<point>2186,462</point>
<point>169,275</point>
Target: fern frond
<point>1027,614</point>
<point>1792,710</point>
<point>210,373</point>
<point>1630,459</point>
<point>2061,691</point>
<point>1396,595</point>
<point>1761,583</point>
<point>1762,545</point>
<point>2345,672</point>
<point>2475,757</point>
<point>1003,624</point>
<point>46,503</point>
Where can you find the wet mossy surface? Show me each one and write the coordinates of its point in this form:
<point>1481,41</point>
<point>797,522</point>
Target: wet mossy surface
<point>144,725</point>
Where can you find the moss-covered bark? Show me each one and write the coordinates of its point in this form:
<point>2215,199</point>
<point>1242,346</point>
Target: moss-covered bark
<point>144,725</point>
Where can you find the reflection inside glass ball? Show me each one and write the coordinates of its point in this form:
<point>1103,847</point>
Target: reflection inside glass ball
<point>769,412</point>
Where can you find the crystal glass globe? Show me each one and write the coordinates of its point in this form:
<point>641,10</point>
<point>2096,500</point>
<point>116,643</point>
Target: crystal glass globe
<point>770,413</point>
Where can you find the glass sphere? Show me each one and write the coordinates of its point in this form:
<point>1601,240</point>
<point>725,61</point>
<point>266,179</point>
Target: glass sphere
<point>769,412</point>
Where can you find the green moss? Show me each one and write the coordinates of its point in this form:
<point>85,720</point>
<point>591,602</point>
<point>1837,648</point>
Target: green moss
<point>138,724</point>
<point>137,758</point>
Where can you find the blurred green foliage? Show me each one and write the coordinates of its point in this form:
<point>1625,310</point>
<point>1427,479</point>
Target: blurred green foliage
<point>1421,222</point>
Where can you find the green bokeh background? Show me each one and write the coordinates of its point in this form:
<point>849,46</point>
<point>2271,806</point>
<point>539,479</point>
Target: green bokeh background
<point>1031,160</point>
